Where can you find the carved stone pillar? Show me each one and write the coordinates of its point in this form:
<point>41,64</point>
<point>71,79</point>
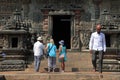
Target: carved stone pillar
<point>97,8</point>
<point>75,41</point>
<point>77,18</point>
<point>45,20</point>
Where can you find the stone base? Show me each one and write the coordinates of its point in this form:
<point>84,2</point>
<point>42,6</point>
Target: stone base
<point>111,65</point>
<point>2,77</point>
<point>12,65</point>
<point>62,76</point>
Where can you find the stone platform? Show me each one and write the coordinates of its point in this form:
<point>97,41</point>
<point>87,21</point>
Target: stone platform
<point>21,75</point>
<point>78,67</point>
<point>76,62</point>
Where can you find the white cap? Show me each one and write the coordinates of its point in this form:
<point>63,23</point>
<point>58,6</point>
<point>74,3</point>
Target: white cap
<point>39,38</point>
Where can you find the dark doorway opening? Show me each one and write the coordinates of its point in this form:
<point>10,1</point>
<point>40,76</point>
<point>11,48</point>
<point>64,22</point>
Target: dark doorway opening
<point>62,29</point>
<point>14,42</point>
<point>107,37</point>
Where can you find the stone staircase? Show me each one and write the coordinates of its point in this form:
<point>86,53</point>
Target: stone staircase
<point>13,60</point>
<point>78,67</point>
<point>76,62</point>
<point>111,61</point>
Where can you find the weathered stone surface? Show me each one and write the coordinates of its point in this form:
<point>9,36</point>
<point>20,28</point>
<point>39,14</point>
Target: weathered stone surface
<point>78,67</point>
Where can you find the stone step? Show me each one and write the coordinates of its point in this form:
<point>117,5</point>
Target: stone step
<point>15,57</point>
<point>76,61</point>
<point>61,76</point>
<point>12,65</point>
<point>78,67</point>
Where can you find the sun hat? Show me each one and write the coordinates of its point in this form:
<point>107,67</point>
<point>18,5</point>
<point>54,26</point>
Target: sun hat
<point>61,42</point>
<point>39,38</point>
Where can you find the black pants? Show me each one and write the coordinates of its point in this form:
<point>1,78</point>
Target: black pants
<point>100,59</point>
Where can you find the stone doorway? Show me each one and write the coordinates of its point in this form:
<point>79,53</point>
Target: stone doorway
<point>61,29</point>
<point>107,36</point>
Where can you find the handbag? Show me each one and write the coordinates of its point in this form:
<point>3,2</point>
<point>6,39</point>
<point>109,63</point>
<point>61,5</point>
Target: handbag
<point>48,52</point>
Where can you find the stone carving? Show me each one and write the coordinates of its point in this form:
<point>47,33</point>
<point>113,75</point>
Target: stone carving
<point>75,42</point>
<point>115,7</point>
<point>110,21</point>
<point>97,8</point>
<point>47,39</point>
<point>86,37</point>
<point>86,16</point>
<point>5,42</point>
<point>85,31</point>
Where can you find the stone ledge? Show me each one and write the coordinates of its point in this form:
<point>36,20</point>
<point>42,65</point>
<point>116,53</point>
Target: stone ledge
<point>11,65</point>
<point>62,76</point>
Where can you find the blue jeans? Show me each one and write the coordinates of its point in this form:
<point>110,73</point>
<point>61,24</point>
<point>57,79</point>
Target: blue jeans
<point>37,61</point>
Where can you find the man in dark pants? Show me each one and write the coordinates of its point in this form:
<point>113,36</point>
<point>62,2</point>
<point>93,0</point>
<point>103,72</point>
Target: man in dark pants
<point>97,46</point>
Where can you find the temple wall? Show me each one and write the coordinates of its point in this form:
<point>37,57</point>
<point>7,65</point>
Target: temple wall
<point>86,14</point>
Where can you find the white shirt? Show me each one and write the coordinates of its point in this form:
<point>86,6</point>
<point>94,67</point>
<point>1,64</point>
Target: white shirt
<point>97,42</point>
<point>38,48</point>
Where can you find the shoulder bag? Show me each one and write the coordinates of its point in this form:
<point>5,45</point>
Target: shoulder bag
<point>48,51</point>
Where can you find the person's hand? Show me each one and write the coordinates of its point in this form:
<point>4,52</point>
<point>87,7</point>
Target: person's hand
<point>90,51</point>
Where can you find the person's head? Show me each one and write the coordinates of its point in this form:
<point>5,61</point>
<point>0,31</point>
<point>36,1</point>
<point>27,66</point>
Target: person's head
<point>40,39</point>
<point>61,42</point>
<point>98,28</point>
<point>52,41</point>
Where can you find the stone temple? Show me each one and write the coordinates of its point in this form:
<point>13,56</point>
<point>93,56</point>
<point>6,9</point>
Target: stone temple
<point>22,21</point>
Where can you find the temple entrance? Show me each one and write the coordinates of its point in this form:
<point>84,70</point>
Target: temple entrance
<point>62,29</point>
<point>107,36</point>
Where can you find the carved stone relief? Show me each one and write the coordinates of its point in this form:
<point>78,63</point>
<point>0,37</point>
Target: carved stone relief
<point>75,43</point>
<point>85,31</point>
<point>115,7</point>
<point>6,44</point>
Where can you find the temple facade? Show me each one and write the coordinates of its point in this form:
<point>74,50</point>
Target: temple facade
<point>70,20</point>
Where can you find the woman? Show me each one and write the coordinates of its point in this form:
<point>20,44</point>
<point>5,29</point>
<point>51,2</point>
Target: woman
<point>51,51</point>
<point>62,54</point>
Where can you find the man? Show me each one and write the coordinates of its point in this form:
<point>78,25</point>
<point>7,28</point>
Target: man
<point>97,45</point>
<point>38,50</point>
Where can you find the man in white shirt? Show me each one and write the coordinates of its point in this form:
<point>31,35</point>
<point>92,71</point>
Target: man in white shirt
<point>97,45</point>
<point>38,50</point>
